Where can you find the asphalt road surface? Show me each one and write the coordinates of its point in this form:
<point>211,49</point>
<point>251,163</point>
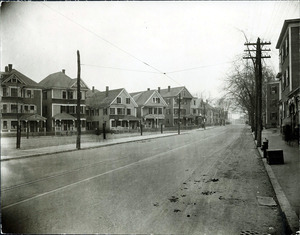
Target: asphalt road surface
<point>203,182</point>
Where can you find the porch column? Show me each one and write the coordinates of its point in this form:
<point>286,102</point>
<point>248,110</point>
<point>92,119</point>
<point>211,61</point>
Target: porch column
<point>44,127</point>
<point>128,124</point>
<point>27,129</point>
<point>38,127</point>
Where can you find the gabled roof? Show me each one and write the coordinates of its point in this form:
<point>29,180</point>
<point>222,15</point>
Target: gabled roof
<point>142,97</point>
<point>59,80</point>
<point>26,81</point>
<point>100,100</point>
<point>174,91</point>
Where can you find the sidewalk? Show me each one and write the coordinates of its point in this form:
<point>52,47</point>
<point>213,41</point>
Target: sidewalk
<point>10,153</point>
<point>285,178</point>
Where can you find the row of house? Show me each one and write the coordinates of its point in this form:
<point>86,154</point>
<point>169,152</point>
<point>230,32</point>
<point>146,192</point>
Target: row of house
<point>50,106</point>
<point>283,94</point>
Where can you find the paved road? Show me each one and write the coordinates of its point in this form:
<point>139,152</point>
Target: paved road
<point>205,182</point>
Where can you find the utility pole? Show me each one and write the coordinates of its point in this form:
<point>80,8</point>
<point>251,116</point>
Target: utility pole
<point>258,83</point>
<point>179,113</point>
<point>78,102</point>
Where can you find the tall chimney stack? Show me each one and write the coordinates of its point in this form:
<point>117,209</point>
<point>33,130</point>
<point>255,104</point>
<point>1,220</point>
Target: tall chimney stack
<point>64,71</point>
<point>158,89</point>
<point>169,88</point>
<point>148,89</point>
<point>93,89</point>
<point>106,92</point>
<point>6,69</point>
<point>10,67</point>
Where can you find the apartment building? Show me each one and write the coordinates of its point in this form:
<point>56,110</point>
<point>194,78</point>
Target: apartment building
<point>21,103</point>
<point>59,102</point>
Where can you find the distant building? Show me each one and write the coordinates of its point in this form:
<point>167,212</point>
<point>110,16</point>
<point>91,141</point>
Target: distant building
<point>272,104</point>
<point>60,103</point>
<point>289,74</point>
<point>21,102</point>
<point>151,107</point>
<point>116,109</point>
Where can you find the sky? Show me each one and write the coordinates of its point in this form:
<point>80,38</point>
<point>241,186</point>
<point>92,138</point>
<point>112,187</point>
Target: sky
<point>140,44</point>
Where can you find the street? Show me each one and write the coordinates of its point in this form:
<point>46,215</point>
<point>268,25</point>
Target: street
<point>201,182</point>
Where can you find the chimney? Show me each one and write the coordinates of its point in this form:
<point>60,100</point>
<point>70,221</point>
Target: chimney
<point>106,92</point>
<point>64,71</point>
<point>158,89</point>
<point>6,69</point>
<point>169,88</point>
<point>93,89</point>
<point>148,89</point>
<point>10,67</point>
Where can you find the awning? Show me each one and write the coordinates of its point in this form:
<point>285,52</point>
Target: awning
<point>63,116</point>
<point>32,117</point>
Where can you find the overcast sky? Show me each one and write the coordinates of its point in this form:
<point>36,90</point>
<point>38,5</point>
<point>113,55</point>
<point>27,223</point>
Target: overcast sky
<point>139,45</point>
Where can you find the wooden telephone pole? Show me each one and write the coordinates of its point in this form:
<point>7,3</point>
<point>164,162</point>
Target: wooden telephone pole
<point>78,103</point>
<point>258,84</point>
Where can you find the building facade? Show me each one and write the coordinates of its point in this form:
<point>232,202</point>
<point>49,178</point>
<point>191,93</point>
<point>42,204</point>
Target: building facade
<point>59,102</point>
<point>272,104</point>
<point>21,103</point>
<point>171,96</point>
<point>151,108</point>
<point>289,75</point>
<point>112,110</point>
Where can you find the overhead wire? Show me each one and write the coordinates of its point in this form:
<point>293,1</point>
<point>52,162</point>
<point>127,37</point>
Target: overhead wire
<point>110,43</point>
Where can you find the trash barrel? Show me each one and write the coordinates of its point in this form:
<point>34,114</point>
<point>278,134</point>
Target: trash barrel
<point>265,146</point>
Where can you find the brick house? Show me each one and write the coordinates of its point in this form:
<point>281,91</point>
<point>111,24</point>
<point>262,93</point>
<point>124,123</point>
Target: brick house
<point>114,108</point>
<point>151,107</point>
<point>272,104</point>
<point>289,74</point>
<point>60,101</point>
<point>21,102</point>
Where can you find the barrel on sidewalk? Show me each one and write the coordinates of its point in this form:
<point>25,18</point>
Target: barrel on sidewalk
<point>275,156</point>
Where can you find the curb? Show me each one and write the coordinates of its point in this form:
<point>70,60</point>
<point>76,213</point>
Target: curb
<point>290,215</point>
<point>85,148</point>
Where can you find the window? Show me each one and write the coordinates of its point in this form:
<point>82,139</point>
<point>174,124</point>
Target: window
<point>29,94</point>
<point>194,102</point>
<point>44,95</point>
<point>64,95</point>
<point>287,45</point>
<point>70,95</point>
<point>45,110</point>
<point>159,110</point>
<point>120,111</point>
<point>4,109</point>
<point>112,111</point>
<point>104,111</point>
<point>14,125</point>
<point>168,100</point>
<point>150,110</point>
<point>156,100</point>
<point>127,100</point>
<point>4,124</point>
<point>287,79</point>
<point>128,111</point>
<point>119,100</point>
<point>274,103</point>
<point>14,108</point>
<point>273,90</point>
<point>63,109</point>
<point>155,110</point>
<point>72,109</point>
<point>26,108</point>
<point>4,91</point>
<point>82,109</point>
<point>31,107</point>
<point>14,92</point>
<point>273,116</point>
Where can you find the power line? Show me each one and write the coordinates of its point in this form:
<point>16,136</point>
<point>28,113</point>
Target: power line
<point>108,67</point>
<point>110,43</point>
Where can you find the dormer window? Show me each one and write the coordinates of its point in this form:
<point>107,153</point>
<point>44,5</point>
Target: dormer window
<point>119,100</point>
<point>64,95</point>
